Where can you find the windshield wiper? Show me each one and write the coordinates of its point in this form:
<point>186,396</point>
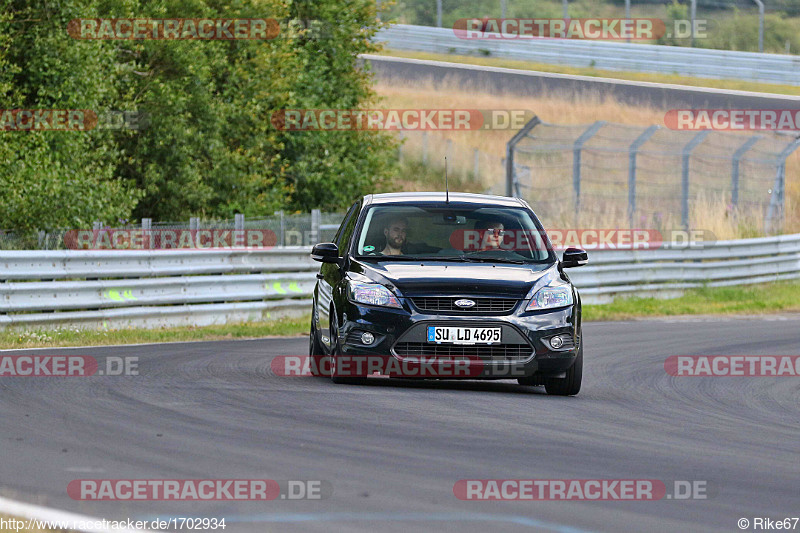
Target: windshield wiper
<point>477,259</point>
<point>409,258</point>
<point>451,259</point>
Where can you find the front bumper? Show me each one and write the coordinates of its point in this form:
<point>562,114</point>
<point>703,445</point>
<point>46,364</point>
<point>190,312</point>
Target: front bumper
<point>400,334</point>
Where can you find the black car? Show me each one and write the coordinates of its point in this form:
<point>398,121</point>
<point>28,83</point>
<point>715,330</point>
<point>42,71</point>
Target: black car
<point>462,278</point>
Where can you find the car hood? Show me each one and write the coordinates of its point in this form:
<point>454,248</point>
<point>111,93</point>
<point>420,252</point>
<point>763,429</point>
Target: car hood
<point>420,278</point>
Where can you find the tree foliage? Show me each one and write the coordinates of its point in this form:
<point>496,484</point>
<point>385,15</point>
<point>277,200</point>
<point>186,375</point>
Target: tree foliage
<point>206,147</point>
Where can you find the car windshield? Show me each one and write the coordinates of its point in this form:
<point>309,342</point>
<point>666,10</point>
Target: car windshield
<point>465,233</point>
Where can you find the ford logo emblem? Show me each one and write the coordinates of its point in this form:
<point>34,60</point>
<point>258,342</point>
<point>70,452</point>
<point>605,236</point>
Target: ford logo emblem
<point>464,303</point>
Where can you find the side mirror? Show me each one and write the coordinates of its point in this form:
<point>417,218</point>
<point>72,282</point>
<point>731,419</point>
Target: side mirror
<point>574,257</point>
<point>325,252</point>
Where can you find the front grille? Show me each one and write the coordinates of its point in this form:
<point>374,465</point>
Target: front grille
<point>448,304</point>
<point>499,352</point>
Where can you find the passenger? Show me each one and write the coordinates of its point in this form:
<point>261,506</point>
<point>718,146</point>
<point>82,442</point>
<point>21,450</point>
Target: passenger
<point>492,234</point>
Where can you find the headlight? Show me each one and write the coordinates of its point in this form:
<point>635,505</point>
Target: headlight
<point>551,297</point>
<point>372,294</point>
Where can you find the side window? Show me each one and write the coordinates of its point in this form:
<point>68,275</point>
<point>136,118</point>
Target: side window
<point>346,229</point>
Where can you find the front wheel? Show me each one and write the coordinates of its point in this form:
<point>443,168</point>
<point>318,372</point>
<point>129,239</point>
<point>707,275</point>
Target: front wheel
<point>571,384</point>
<point>315,352</point>
<point>336,351</point>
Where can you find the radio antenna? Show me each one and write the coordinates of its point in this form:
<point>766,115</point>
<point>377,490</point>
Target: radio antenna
<point>446,188</point>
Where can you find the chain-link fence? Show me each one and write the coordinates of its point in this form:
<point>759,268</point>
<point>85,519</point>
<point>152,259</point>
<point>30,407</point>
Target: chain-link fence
<point>619,175</point>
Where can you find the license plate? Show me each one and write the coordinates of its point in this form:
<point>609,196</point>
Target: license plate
<point>463,335</point>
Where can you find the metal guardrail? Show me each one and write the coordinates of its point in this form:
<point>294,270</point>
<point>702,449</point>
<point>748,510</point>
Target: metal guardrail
<point>171,288</point>
<point>632,57</point>
<point>153,288</point>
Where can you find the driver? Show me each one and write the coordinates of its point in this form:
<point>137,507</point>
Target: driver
<point>395,231</point>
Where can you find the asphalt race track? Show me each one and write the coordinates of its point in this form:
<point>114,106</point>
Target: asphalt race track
<point>570,87</point>
<point>392,450</point>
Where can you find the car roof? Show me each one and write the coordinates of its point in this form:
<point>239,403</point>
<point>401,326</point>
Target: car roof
<point>456,197</point>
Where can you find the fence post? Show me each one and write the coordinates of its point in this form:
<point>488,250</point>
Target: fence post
<point>776,200</point>
<point>737,156</point>
<point>632,151</point>
<point>147,226</point>
<point>476,156</point>
<point>400,148</point>
<point>282,229</point>
<point>194,223</point>
<point>509,160</point>
<point>576,160</point>
<point>685,154</point>
<point>424,147</point>
<point>238,221</point>
<point>315,219</point>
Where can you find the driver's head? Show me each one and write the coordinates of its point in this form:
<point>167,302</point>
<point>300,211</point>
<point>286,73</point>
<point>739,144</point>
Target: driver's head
<point>395,232</point>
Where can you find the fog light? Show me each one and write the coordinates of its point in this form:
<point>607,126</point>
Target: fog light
<point>556,342</point>
<point>367,338</point>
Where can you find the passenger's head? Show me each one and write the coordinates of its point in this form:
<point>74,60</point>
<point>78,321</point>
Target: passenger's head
<point>491,232</point>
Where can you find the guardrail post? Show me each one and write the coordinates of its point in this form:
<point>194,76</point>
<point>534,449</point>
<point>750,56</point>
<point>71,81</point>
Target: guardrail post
<point>576,160</point>
<point>194,223</point>
<point>777,199</point>
<point>315,220</point>
<point>737,156</point>
<point>238,221</point>
<point>632,151</point>
<point>685,154</point>
<point>509,159</point>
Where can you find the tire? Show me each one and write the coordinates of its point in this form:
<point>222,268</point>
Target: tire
<point>315,352</point>
<point>569,385</point>
<point>337,350</point>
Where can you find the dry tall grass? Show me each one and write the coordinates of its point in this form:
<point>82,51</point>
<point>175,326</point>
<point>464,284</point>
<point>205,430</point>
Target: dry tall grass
<point>707,211</point>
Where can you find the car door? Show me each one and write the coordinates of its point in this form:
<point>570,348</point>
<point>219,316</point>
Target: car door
<point>330,276</point>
